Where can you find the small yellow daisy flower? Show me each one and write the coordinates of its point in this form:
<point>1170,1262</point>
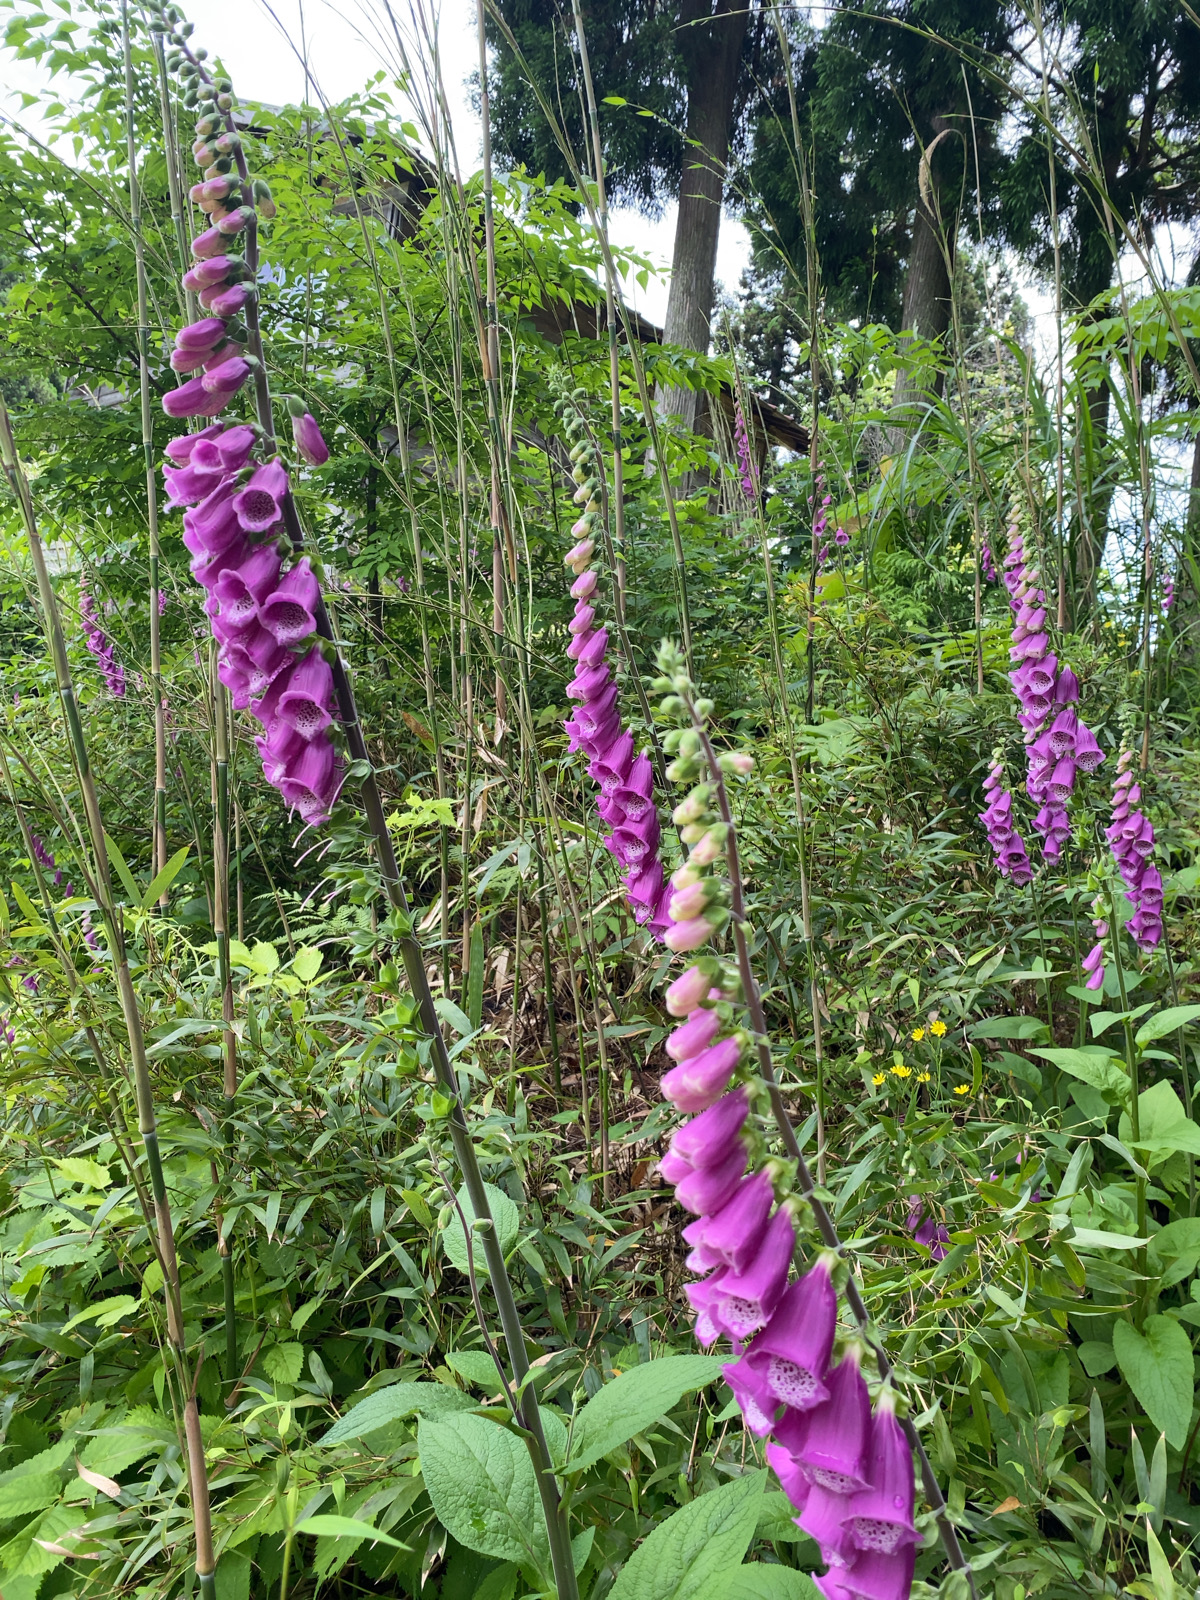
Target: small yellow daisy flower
<point>963,1088</point>
<point>922,1077</point>
<point>918,1034</point>
<point>937,1029</point>
<point>901,1072</point>
<point>878,1079</point>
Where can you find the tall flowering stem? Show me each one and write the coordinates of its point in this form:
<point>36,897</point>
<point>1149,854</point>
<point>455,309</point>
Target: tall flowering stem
<point>847,1470</point>
<point>300,696</point>
<point>1131,838</point>
<point>1058,744</point>
<point>1012,859</point>
<point>99,643</point>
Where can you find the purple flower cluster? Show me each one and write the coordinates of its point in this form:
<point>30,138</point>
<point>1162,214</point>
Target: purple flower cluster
<point>46,859</point>
<point>1055,752</point>
<point>1131,838</point>
<point>1168,595</point>
<point>747,471</point>
<point>626,800</point>
<point>987,563</point>
<point>1093,962</point>
<point>263,618</point>
<point>924,1229</point>
<point>100,645</point>
<point>1012,859</point>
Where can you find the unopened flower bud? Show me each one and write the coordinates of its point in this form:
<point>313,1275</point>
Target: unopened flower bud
<point>263,198</point>
<point>236,220</point>
<point>579,555</point>
<point>712,846</point>
<point>689,902</point>
<point>693,807</point>
<point>686,993</point>
<point>688,935</point>
<point>736,761</point>
<point>693,832</point>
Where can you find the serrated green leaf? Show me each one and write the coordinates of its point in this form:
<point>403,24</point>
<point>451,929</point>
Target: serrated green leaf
<point>476,1366</point>
<point>632,1401</point>
<point>757,1581</point>
<point>504,1215</point>
<point>307,962</point>
<point>1097,1067</point>
<point>481,1481</point>
<point>707,1537</point>
<point>81,1169</point>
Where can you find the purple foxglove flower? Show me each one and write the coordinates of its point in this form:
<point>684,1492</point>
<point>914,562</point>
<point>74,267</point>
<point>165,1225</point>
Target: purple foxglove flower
<point>1066,690</point>
<point>703,1298</point>
<point>694,1035</point>
<point>236,680</point>
<point>226,300</point>
<point>188,360</point>
<point>1062,733</point>
<point>584,616</point>
<point>1093,965</point>
<point>706,1189</point>
<point>208,566</point>
<point>280,752</point>
<point>644,884</point>
<point>192,399</point>
<point>290,613</point>
<point>695,1084</point>
<point>233,221</point>
<point>309,442</point>
<point>634,841</point>
<point>687,991</point>
<point>1088,754</point>
<point>674,1169</point>
<point>187,486</point>
<point>239,589</point>
<point>610,768</point>
<point>791,1477</point>
<point>232,448</point>
<point>690,935</point>
<point>689,902</point>
<point>822,1520</point>
<point>591,683</point>
<point>793,1350</point>
<point>749,1298</point>
<point>202,335</point>
<point>835,1434</point>
<point>311,769</point>
<point>753,1393</point>
<point>307,702</point>
<point>208,244</point>
<point>180,450</point>
<point>609,810</point>
<point>258,505</point>
<point>212,526</point>
<point>731,1237</point>
<point>225,380</point>
<point>871,1577</point>
<point>881,1518</point>
<point>582,642</point>
<point>593,648</point>
<point>585,585</point>
<point>1062,780</point>
<point>703,1141</point>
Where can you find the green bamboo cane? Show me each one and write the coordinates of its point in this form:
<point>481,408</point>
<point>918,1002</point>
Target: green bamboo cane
<point>114,926</point>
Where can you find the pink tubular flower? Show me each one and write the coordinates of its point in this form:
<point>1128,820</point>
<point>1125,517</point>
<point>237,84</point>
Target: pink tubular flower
<point>696,1083</point>
<point>192,399</point>
<point>310,443</point>
<point>880,1517</point>
<point>748,1298</point>
<point>830,1441</point>
<point>1131,838</point>
<point>687,991</point>
<point>259,505</point>
<point>290,612</point>
<point>307,703</point>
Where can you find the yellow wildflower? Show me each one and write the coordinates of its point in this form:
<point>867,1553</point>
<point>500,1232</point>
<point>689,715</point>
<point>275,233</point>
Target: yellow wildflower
<point>963,1088</point>
<point>878,1079</point>
<point>901,1072</point>
<point>922,1077</point>
<point>937,1029</point>
<point>918,1034</point>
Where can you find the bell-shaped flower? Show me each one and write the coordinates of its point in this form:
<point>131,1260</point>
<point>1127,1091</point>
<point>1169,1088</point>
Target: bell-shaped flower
<point>310,443</point>
<point>307,702</point>
<point>592,648</point>
<point>749,1298</point>
<point>180,450</point>
<point>706,1189</point>
<point>674,1169</point>
<point>703,1141</point>
<point>589,683</point>
<point>236,680</point>
<point>234,446</point>
<point>609,769</point>
<point>202,335</point>
<point>239,589</point>
<point>583,618</point>
<point>870,1577</point>
<point>703,1298</point>
<point>212,524</point>
<point>837,1432</point>
<point>208,566</point>
<point>793,1349</point>
<point>226,299</point>
<point>216,269</point>
<point>585,585</point>
<point>225,380</point>
<point>187,486</point>
<point>192,399</point>
<point>311,784</point>
<point>695,1084</point>
<point>1088,754</point>
<point>290,612</point>
<point>732,1236</point>
<point>1066,690</point>
<point>1061,736</point>
<point>751,1390</point>
<point>644,885</point>
<point>694,1035</point>
<point>687,991</point>
<point>259,505</point>
<point>633,841</point>
<point>208,244</point>
<point>880,1518</point>
<point>791,1476</point>
<point>1062,780</point>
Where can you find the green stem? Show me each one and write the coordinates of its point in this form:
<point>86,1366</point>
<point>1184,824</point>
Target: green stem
<point>1132,1062</point>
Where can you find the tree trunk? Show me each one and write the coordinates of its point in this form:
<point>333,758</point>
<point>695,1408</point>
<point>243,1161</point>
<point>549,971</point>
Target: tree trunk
<point>713,52</point>
<point>925,312</point>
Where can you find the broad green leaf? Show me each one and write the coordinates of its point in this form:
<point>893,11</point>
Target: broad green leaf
<point>1010,1028</point>
<point>264,959</point>
<point>1165,1022</point>
<point>1175,1250</point>
<point>476,1366</point>
<point>283,1363</point>
<point>104,1313</point>
<point>1098,1067</point>
<point>165,878</point>
<point>683,1554</point>
<point>1163,1126</point>
<point>334,1527</point>
<point>633,1401</point>
<point>307,962</point>
<point>392,1404</point>
<point>504,1215</point>
<point>1158,1366</point>
<point>481,1481</point>
<point>21,1493</point>
<point>80,1169</point>
<point>757,1581</point>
